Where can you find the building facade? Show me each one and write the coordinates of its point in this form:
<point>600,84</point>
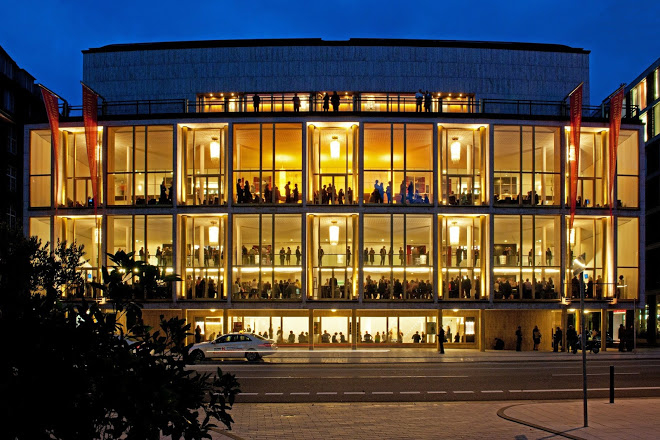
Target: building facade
<point>644,92</point>
<point>289,208</point>
<point>20,103</point>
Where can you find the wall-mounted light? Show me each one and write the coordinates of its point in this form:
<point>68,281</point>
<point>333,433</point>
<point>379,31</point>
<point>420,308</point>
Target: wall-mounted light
<point>454,234</point>
<point>215,148</point>
<point>571,153</point>
<point>214,233</point>
<point>334,233</point>
<point>455,150</point>
<point>334,148</point>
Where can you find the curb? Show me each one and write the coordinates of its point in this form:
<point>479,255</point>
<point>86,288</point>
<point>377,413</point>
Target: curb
<point>501,414</point>
<point>226,433</point>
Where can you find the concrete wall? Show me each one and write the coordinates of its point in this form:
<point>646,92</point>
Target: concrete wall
<point>185,72</point>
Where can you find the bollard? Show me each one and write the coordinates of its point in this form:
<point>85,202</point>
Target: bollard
<point>611,383</point>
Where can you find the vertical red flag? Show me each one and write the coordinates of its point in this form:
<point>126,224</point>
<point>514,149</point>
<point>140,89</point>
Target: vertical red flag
<point>574,147</point>
<point>90,118</point>
<point>616,105</point>
<point>52,109</point>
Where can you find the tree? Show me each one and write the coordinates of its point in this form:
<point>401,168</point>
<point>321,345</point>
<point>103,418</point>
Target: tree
<point>70,371</point>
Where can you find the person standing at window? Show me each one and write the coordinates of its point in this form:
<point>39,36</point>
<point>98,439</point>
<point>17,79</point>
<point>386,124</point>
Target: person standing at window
<point>296,102</point>
<point>335,101</point>
<point>255,102</point>
<point>419,96</point>
<point>287,192</point>
<point>321,253</point>
<point>548,257</point>
<point>298,255</point>
<point>326,102</point>
<point>288,256</point>
<point>427,101</point>
<point>348,255</point>
<point>383,252</point>
<point>295,193</point>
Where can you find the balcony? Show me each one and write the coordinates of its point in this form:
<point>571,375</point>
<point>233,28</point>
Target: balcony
<point>348,103</point>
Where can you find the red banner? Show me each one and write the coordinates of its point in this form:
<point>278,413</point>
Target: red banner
<point>90,118</point>
<point>574,144</point>
<point>616,106</point>
<point>52,109</point>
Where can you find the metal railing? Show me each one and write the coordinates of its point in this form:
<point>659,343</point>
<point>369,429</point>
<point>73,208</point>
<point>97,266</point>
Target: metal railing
<point>313,103</point>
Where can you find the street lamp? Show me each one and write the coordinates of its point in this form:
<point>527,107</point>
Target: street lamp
<point>578,268</point>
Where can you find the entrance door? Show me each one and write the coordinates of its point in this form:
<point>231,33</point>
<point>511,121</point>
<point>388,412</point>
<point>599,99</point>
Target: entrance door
<point>336,181</point>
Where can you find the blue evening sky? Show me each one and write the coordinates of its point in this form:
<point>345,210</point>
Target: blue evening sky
<point>46,37</point>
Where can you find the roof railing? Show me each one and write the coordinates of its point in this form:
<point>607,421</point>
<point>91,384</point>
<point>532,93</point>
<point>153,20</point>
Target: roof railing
<point>315,103</point>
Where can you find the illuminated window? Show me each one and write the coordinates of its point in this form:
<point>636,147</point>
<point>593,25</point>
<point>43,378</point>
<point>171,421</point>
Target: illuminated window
<point>589,238</point>
<point>463,177</point>
<point>398,163</point>
<point>627,258</point>
<point>462,257</point>
<point>78,183</point>
<point>40,169</point>
<point>526,166</point>
<point>526,253</point>
<point>205,166</point>
<point>333,257</point>
<point>627,169</point>
<point>203,254</point>
<point>267,163</point>
<point>140,163</point>
<point>267,257</point>
<point>333,168</point>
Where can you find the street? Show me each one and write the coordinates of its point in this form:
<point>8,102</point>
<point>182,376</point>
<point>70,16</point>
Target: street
<point>268,382</point>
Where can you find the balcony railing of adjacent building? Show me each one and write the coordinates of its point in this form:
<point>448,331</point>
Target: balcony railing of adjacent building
<point>366,103</point>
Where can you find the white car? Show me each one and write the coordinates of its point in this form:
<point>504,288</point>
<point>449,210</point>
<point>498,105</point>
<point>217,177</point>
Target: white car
<point>233,345</point>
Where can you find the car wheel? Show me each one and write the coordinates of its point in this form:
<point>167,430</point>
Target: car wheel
<point>252,356</point>
<point>196,357</point>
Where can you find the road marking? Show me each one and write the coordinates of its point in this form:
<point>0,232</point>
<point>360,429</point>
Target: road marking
<point>353,392</point>
<point>409,392</point>
<point>411,377</point>
<point>437,392</point>
<point>591,374</point>
<point>382,392</point>
<point>328,393</point>
<point>492,391</point>
<point>249,394</point>
<point>300,394</point>
<point>273,394</point>
<point>463,392</point>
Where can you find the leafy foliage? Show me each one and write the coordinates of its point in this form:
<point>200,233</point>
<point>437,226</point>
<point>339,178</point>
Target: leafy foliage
<point>70,371</point>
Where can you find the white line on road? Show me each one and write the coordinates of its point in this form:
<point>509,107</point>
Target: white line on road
<point>353,392</point>
<point>492,391</point>
<point>411,377</point>
<point>437,392</point>
<point>591,374</point>
<point>249,394</point>
<point>273,394</point>
<point>382,392</point>
<point>300,394</point>
<point>409,392</point>
<point>326,393</point>
<point>350,377</point>
<point>463,392</point>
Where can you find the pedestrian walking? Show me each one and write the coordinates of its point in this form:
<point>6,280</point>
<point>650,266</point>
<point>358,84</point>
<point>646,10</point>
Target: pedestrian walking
<point>441,339</point>
<point>536,337</point>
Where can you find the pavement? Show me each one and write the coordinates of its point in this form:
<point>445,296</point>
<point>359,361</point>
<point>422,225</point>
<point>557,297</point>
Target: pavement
<point>519,420</point>
<point>625,419</point>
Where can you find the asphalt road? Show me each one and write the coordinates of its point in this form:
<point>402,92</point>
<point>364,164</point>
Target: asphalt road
<point>416,382</point>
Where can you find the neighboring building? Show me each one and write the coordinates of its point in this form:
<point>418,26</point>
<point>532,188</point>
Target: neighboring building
<point>404,219</point>
<point>644,93</point>
<point>20,103</point>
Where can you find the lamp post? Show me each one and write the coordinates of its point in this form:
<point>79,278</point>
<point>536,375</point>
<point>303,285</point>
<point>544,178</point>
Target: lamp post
<point>578,267</point>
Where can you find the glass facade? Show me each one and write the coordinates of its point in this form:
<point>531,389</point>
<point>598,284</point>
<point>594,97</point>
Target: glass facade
<point>204,181</point>
<point>268,163</point>
<point>140,165</point>
<point>398,162</point>
<point>324,233</point>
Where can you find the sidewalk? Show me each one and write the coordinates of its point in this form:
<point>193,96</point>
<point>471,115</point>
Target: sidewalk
<point>625,419</point>
<point>293,355</point>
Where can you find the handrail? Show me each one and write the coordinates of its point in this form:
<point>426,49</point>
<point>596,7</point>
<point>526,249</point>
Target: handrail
<point>362,103</point>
